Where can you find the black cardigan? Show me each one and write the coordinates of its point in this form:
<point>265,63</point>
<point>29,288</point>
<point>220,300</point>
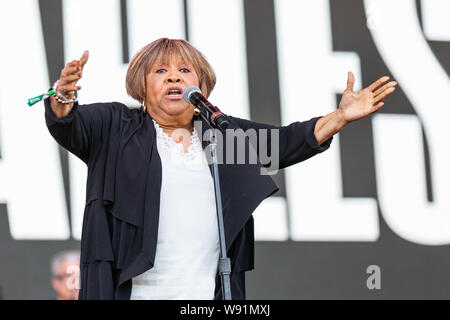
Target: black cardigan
<point>120,222</point>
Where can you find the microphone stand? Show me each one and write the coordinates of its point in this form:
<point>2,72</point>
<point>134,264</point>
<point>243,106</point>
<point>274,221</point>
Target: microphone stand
<point>224,261</point>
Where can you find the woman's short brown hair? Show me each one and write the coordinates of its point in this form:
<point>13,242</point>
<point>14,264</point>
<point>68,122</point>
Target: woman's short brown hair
<point>162,50</point>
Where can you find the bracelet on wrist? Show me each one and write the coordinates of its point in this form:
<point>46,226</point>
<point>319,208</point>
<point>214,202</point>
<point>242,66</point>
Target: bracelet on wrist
<point>61,98</point>
<point>52,92</point>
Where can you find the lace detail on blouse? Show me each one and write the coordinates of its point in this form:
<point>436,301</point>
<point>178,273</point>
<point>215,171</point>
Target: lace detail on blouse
<point>194,150</point>
<point>187,254</point>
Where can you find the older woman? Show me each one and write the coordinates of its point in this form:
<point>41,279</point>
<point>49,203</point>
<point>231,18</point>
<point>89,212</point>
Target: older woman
<point>149,226</point>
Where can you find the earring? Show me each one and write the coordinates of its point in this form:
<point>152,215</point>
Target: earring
<point>196,111</point>
<point>143,107</point>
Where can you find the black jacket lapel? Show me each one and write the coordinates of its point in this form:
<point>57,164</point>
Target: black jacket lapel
<point>242,186</point>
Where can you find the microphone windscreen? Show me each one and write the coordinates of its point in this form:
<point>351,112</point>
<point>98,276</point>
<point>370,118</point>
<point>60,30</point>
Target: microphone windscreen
<point>188,91</point>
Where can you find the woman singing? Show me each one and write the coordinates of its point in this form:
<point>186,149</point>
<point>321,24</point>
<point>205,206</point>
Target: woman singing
<point>150,225</point>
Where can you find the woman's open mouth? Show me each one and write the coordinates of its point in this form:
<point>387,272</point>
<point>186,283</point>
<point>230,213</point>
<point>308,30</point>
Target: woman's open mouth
<point>174,93</point>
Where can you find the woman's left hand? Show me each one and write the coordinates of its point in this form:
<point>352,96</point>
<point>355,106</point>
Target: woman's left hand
<point>357,105</point>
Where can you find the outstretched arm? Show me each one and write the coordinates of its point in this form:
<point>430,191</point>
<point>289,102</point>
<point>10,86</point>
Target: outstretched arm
<point>353,106</point>
<point>294,142</point>
<point>77,128</point>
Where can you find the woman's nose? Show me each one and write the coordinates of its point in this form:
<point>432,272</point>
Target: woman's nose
<point>173,78</point>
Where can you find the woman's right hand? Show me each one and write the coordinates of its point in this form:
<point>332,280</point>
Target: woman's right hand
<point>67,85</point>
<point>70,75</point>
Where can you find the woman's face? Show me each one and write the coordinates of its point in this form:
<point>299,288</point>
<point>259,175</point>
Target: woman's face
<point>164,90</point>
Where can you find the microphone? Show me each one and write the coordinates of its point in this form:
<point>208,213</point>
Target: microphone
<point>194,96</point>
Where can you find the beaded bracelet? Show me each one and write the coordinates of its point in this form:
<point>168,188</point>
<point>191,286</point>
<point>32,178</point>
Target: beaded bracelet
<point>59,97</point>
<point>62,99</point>
<point>52,91</point>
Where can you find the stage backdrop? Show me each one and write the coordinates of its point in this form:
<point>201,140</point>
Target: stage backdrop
<point>369,218</point>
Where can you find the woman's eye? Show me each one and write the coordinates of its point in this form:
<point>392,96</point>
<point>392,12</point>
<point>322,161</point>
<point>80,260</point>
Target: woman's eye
<point>183,70</point>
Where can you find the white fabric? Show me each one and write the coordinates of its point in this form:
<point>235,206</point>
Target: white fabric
<point>187,251</point>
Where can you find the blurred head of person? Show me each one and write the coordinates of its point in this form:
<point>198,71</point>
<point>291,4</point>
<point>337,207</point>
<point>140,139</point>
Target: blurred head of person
<point>65,274</point>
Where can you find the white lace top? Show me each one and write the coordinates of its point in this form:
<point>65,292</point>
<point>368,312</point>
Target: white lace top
<point>187,251</point>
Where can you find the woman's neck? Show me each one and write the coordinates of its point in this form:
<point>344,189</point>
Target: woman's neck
<point>179,133</point>
<point>173,128</point>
